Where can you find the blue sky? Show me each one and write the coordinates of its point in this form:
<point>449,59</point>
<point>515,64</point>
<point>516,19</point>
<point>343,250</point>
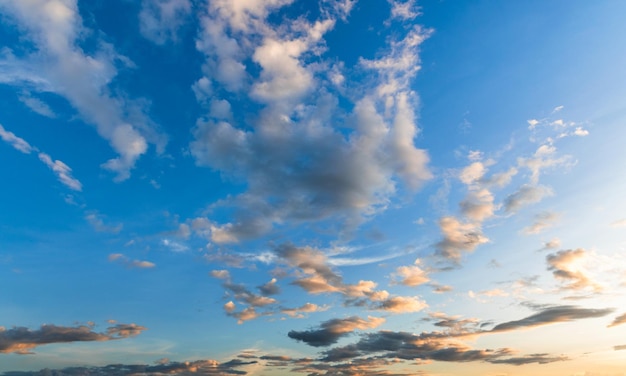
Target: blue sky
<point>333,187</point>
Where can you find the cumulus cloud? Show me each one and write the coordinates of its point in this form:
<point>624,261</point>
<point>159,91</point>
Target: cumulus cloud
<point>411,275</point>
<point>544,157</point>
<point>478,205</point>
<point>458,237</point>
<point>127,262</point>
<point>297,161</point>
<point>160,20</point>
<point>568,267</point>
<point>59,65</point>
<point>22,340</point>
<point>330,331</point>
<point>300,311</point>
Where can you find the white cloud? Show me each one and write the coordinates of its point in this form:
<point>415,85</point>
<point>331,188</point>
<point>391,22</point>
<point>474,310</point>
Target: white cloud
<point>36,104</point>
<point>159,20</point>
<point>62,171</point>
<point>16,142</point>
<point>404,9</point>
<point>619,223</point>
<point>59,65</point>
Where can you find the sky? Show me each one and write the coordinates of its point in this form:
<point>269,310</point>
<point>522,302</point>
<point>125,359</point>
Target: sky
<point>328,187</point>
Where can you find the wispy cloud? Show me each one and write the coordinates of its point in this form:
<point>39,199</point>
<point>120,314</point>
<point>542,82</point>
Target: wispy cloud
<point>127,262</point>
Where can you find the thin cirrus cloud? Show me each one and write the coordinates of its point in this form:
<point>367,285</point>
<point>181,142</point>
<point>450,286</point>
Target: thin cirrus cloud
<point>62,171</point>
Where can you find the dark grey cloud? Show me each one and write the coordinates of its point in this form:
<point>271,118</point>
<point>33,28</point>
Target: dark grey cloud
<point>21,340</point>
<point>330,331</point>
<point>193,368</point>
<point>552,315</point>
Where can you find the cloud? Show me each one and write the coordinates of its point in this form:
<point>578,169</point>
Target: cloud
<point>21,340</point>
<point>270,288</point>
<point>16,142</point>
<point>619,223</point>
<point>543,220</point>
<point>543,158</point>
<point>59,65</point>
<point>402,304</point>
<point>525,195</point>
<point>552,244</point>
<point>95,220</point>
<point>62,171</point>
<point>160,20</point>
<point>621,319</point>
<point>458,237</point>
<point>566,265</point>
<point>478,205</point>
<point>425,347</point>
<point>411,275</point>
<point>36,104</point>
<point>306,308</point>
<point>310,169</point>
<point>552,315</point>
<point>164,367</point>
<point>404,9</point>
<point>125,261</point>
<point>330,331</point>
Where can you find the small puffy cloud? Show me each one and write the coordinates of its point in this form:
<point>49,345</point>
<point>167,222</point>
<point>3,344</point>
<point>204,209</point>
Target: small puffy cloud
<point>411,275</point>
<point>270,288</point>
<point>159,20</point>
<point>332,330</point>
<point>478,205</point>
<point>22,340</point>
<point>621,319</point>
<point>404,10</point>
<point>579,131</point>
<point>552,244</point>
<point>458,237</point>
<point>568,267</point>
<point>174,245</point>
<point>552,315</point>
<point>402,304</point>
<point>525,195</point>
<point>472,173</point>
<point>543,221</point>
